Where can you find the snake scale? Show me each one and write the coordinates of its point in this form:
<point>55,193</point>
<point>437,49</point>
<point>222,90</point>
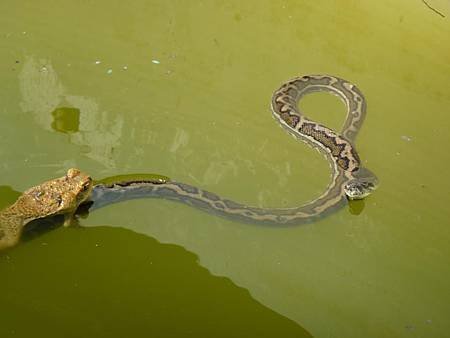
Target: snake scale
<point>349,179</point>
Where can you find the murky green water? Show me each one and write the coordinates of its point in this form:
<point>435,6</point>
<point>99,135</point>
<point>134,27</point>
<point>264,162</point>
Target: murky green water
<point>183,89</point>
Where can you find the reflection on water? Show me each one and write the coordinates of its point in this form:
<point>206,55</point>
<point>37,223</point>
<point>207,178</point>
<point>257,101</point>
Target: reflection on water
<point>146,289</point>
<point>181,139</point>
<point>46,99</point>
<point>41,90</point>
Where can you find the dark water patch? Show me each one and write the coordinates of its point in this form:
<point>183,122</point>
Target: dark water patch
<point>91,282</point>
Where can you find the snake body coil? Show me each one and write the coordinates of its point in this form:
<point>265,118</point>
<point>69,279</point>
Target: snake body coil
<point>349,178</point>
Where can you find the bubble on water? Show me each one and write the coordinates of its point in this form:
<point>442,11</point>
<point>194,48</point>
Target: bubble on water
<point>410,327</point>
<point>97,62</point>
<point>109,71</point>
<point>125,67</point>
<point>156,62</point>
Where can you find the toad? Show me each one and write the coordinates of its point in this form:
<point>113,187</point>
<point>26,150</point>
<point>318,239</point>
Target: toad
<point>59,196</point>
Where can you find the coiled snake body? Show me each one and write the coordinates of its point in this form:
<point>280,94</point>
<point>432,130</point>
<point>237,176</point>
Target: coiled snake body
<point>349,178</point>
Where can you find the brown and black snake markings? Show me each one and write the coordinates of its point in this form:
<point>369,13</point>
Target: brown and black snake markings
<point>350,180</point>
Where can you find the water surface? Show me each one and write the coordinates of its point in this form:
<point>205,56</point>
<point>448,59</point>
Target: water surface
<point>183,89</point>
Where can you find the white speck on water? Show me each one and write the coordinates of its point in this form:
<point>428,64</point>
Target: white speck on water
<point>125,67</point>
<point>24,33</point>
<point>406,138</point>
<point>156,62</point>
<point>44,69</point>
<point>97,245</point>
<point>98,62</point>
<point>109,71</point>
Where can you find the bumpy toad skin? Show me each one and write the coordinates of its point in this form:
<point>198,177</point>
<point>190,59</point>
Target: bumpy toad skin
<point>59,196</point>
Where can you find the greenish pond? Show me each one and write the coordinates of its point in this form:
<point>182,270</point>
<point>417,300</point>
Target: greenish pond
<point>182,88</point>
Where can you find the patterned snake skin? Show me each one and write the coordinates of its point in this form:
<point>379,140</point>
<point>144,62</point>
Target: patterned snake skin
<point>349,179</point>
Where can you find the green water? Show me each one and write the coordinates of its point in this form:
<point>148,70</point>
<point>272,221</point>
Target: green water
<point>183,89</point>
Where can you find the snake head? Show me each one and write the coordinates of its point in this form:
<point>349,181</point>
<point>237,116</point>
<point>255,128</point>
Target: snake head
<point>364,182</point>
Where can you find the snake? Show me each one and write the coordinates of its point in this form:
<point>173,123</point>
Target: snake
<point>349,179</point>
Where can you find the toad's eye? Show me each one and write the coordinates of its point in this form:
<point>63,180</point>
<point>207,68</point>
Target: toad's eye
<point>59,200</point>
<point>85,187</point>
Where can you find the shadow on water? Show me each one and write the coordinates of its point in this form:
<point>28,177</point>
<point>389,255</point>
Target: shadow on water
<point>356,207</point>
<point>66,120</point>
<point>116,283</point>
